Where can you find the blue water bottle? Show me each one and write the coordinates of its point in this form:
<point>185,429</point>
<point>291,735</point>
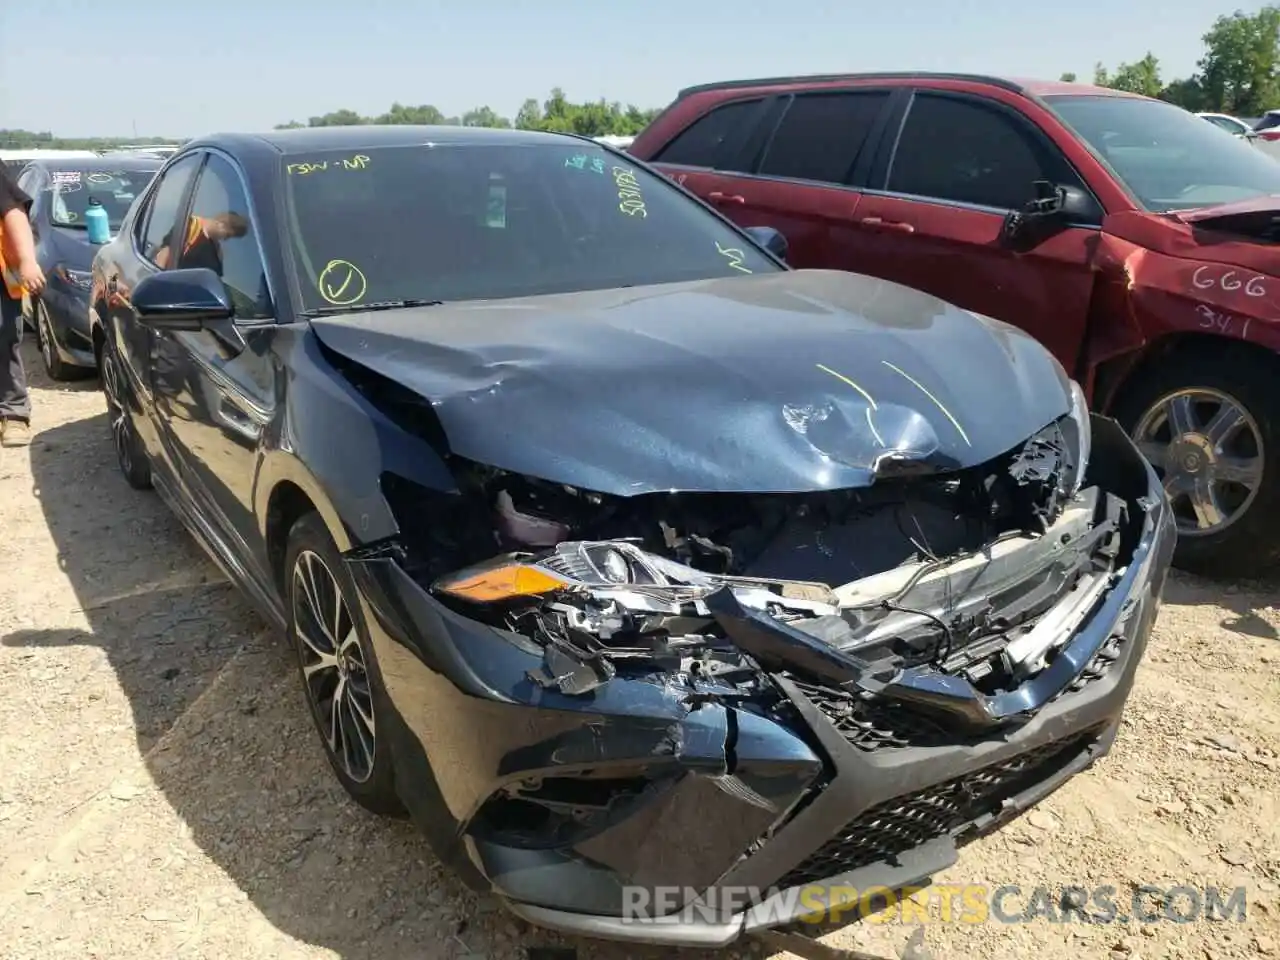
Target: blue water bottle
<point>96,220</point>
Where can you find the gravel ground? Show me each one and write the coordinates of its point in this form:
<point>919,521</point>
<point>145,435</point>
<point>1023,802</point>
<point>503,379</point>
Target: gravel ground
<point>163,794</point>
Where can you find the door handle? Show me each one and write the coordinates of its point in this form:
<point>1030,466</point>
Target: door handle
<point>717,196</point>
<point>881,224</point>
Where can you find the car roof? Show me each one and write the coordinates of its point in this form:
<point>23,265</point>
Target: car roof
<point>1029,86</point>
<point>306,139</point>
<point>112,162</point>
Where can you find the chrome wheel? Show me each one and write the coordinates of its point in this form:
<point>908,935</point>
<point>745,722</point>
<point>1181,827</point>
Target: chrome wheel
<point>334,668</point>
<point>116,414</point>
<point>1208,450</point>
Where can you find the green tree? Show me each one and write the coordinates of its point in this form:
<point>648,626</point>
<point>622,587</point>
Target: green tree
<point>338,118</point>
<point>1142,77</point>
<point>422,114</point>
<point>1240,70</point>
<point>1186,93</point>
<point>1067,77</point>
<point>484,117</point>
<point>44,140</point>
<point>529,116</point>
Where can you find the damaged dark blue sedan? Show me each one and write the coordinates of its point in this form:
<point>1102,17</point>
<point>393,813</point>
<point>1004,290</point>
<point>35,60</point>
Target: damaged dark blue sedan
<point>619,555</point>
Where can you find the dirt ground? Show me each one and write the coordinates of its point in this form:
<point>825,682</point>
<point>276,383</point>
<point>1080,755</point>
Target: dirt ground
<point>163,795</point>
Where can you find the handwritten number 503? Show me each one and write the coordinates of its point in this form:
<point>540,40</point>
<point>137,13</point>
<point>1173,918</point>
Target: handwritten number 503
<point>1230,282</point>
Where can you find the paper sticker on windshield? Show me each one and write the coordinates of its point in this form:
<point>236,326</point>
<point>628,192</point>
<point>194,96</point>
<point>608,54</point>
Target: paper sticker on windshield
<point>341,282</point>
<point>582,162</point>
<point>496,213</point>
<point>100,178</point>
<point>734,255</point>
<point>631,200</point>
<point>66,181</point>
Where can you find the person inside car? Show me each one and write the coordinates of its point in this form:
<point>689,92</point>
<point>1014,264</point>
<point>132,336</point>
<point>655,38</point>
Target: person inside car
<point>202,242</point>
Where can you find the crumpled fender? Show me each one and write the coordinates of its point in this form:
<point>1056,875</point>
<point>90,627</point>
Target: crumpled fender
<point>1165,277</point>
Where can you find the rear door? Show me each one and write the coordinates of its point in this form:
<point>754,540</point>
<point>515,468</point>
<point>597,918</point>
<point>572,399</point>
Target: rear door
<point>801,177</point>
<point>699,157</point>
<point>935,204</point>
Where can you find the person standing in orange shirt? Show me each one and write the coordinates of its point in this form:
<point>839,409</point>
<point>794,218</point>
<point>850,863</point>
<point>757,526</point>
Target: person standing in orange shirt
<point>22,274</point>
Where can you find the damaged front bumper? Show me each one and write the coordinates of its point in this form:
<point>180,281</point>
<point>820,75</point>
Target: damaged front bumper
<point>564,799</point>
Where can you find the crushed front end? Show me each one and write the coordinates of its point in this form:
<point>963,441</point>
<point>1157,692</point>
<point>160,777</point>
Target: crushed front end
<point>597,694</point>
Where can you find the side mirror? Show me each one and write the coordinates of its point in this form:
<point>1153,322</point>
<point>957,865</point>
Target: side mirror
<point>769,238</point>
<point>182,299</point>
<point>1055,206</point>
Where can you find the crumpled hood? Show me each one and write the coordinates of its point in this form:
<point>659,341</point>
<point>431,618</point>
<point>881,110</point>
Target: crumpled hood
<point>793,381</point>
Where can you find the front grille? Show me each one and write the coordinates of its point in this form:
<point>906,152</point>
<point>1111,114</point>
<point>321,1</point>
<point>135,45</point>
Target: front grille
<point>903,823</point>
<point>872,725</point>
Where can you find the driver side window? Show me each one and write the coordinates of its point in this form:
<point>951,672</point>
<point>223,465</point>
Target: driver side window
<point>965,151</point>
<point>157,220</point>
<point>220,235</point>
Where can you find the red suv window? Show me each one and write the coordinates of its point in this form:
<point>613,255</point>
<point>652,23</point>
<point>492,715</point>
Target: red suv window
<point>965,151</point>
<point>700,143</point>
<point>821,134</point>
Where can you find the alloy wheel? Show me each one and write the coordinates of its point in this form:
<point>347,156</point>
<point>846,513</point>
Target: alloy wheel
<point>1208,450</point>
<point>334,666</point>
<point>121,427</point>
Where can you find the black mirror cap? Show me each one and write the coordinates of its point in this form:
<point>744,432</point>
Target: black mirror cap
<point>1079,206</point>
<point>769,238</point>
<point>182,299</point>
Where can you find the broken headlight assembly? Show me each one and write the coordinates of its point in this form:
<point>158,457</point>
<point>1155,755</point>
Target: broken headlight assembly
<point>617,572</point>
<point>595,604</point>
<point>1077,431</point>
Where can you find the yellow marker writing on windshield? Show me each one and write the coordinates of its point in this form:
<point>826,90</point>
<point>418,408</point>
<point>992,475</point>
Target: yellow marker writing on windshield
<point>734,255</point>
<point>631,200</point>
<point>341,283</point>
<point>357,162</point>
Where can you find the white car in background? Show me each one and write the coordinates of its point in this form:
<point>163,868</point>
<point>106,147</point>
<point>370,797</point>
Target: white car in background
<point>1263,134</point>
<point>1266,133</point>
<point>1228,123</point>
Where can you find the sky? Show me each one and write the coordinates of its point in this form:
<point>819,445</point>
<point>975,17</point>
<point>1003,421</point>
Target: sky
<point>186,67</point>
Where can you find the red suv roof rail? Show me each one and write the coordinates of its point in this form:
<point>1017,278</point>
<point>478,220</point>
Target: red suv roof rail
<point>832,77</point>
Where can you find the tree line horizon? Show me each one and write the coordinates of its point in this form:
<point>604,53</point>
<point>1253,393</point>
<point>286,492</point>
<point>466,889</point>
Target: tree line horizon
<point>1238,73</point>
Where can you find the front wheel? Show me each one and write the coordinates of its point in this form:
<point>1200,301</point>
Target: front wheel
<point>54,365</point>
<point>130,454</point>
<point>339,675</point>
<point>1211,429</point>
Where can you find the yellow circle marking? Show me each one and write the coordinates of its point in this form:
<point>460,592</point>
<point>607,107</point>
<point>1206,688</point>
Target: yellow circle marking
<point>341,283</point>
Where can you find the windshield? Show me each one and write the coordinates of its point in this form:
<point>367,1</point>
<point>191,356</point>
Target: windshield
<point>467,221</point>
<point>1168,158</point>
<point>71,191</point>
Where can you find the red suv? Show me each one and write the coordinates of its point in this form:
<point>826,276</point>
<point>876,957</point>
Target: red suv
<point>1136,241</point>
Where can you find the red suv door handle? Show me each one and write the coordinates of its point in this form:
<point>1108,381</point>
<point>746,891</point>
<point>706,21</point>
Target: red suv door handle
<point>716,196</point>
<point>883,224</point>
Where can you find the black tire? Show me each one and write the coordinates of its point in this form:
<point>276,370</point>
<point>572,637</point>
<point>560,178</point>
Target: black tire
<point>54,365</point>
<point>131,456</point>
<point>367,775</point>
<point>1249,544</point>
